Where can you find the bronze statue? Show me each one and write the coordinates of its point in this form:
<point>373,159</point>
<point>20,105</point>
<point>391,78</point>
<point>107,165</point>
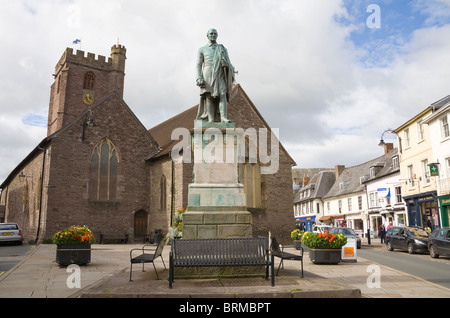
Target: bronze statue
<point>215,77</point>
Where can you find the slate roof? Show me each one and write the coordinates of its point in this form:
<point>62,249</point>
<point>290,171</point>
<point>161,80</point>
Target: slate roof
<point>350,181</point>
<point>319,185</point>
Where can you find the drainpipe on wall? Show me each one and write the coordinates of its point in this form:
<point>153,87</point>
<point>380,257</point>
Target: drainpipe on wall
<point>40,194</point>
<point>171,191</point>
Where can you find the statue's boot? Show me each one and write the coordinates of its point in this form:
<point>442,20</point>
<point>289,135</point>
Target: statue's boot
<point>223,112</point>
<point>210,111</point>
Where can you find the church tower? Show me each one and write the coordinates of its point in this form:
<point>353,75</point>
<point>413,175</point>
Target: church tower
<point>80,81</point>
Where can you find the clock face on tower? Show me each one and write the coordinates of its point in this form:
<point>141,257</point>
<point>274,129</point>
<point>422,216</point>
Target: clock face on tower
<point>88,99</point>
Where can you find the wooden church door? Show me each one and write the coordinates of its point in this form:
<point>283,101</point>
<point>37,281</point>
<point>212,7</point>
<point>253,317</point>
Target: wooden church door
<point>140,223</point>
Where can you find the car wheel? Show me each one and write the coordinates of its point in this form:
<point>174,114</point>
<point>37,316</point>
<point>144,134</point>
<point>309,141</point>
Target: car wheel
<point>410,248</point>
<point>433,253</point>
<point>389,246</point>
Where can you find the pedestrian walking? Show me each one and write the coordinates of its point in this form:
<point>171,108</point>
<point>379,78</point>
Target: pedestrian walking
<point>382,233</point>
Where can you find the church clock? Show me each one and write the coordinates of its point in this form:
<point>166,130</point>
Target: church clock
<point>88,99</point>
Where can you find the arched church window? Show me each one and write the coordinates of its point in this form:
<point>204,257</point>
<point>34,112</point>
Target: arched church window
<point>89,81</point>
<point>103,172</point>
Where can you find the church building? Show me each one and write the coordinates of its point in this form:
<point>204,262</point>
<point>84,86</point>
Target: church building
<point>99,166</point>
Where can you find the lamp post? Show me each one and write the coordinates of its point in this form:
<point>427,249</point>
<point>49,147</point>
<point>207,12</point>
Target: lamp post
<point>88,121</point>
<point>22,177</point>
<point>382,143</point>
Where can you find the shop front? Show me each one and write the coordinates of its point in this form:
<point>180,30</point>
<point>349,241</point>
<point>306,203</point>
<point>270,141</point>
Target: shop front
<point>444,203</point>
<point>306,223</point>
<point>423,210</point>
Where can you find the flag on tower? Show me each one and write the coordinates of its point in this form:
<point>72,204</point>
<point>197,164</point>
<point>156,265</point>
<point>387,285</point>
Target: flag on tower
<point>76,41</point>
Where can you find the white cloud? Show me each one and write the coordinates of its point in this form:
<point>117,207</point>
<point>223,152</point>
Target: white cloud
<point>295,60</point>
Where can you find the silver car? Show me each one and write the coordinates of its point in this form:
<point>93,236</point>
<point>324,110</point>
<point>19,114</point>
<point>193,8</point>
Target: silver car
<point>10,232</point>
<point>347,232</point>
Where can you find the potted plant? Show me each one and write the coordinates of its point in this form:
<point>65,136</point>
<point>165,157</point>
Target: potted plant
<point>324,247</point>
<point>296,235</point>
<point>176,230</point>
<point>73,245</point>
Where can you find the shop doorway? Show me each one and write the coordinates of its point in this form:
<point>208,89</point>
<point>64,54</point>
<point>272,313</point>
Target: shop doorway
<point>376,223</point>
<point>429,214</point>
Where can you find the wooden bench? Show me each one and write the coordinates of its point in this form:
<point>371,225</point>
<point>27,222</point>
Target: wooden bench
<point>220,252</point>
<point>148,254</point>
<point>278,252</point>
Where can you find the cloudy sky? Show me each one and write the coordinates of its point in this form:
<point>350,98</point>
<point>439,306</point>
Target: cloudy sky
<point>332,75</point>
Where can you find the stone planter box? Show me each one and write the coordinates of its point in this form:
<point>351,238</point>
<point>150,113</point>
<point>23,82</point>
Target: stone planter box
<point>324,255</point>
<point>67,254</point>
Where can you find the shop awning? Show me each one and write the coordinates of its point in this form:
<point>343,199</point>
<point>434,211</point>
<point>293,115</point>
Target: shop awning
<point>325,218</point>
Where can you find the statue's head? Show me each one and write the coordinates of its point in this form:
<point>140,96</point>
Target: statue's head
<point>212,34</point>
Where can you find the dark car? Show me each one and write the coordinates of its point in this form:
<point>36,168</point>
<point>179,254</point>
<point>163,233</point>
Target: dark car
<point>439,242</point>
<point>410,238</point>
<point>347,232</point>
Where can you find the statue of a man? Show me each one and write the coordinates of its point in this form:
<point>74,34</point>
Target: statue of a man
<point>215,77</point>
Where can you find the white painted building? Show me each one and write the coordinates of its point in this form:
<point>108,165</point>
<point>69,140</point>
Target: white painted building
<point>439,128</point>
<point>384,196</point>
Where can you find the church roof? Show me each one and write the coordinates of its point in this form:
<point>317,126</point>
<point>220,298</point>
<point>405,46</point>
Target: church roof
<point>163,132</point>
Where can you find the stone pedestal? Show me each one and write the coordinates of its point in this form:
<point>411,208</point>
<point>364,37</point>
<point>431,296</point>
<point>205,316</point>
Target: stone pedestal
<point>216,200</point>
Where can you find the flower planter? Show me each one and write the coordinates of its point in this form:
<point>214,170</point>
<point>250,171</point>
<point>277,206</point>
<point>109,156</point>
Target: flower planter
<point>297,244</point>
<point>324,255</point>
<point>67,254</point>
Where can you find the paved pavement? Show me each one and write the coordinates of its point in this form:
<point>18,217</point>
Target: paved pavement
<point>107,276</point>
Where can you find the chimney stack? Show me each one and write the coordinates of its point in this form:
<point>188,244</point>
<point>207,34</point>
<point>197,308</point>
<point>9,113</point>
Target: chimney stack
<point>305,179</point>
<point>338,170</point>
<point>388,147</point>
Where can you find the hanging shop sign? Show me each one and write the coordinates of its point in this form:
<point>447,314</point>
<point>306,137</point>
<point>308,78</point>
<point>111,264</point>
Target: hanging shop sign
<point>384,192</point>
<point>434,170</point>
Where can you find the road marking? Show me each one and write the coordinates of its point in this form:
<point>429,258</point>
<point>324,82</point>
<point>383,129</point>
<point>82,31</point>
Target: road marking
<point>411,275</point>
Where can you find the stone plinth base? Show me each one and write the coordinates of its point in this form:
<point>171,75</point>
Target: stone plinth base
<point>217,224</point>
<point>219,272</point>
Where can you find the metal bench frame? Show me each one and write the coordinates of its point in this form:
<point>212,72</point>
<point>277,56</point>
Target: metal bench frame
<point>220,252</point>
<point>277,252</point>
<point>146,257</point>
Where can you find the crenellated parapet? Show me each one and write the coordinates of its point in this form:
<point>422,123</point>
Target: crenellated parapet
<point>90,60</point>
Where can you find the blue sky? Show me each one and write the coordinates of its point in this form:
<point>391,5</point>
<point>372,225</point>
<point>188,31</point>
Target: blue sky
<point>314,69</point>
<point>399,19</point>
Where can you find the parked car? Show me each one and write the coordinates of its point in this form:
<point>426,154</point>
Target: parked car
<point>410,238</point>
<point>321,228</point>
<point>347,232</point>
<point>439,242</point>
<point>10,232</point>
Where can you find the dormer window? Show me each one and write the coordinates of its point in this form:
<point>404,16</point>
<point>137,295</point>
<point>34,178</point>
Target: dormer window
<point>372,172</point>
<point>342,185</point>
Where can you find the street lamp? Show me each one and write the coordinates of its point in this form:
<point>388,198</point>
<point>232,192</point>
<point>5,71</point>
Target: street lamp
<point>22,176</point>
<point>87,122</point>
<point>382,143</point>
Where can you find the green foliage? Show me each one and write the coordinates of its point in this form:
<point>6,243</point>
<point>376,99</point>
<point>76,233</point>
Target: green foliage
<point>176,230</point>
